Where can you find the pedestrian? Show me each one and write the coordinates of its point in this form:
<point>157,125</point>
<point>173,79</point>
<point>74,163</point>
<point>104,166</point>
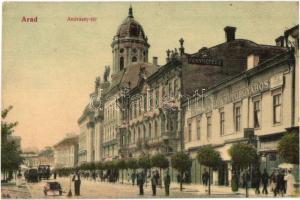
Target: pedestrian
<point>140,182</point>
<point>178,178</point>
<point>157,177</point>
<point>167,181</point>
<point>77,182</point>
<point>133,176</point>
<point>290,180</point>
<point>153,183</point>
<point>273,182</point>
<point>256,180</point>
<point>265,181</point>
<point>205,177</point>
<point>280,183</point>
<point>246,180</point>
<point>54,175</point>
<point>94,175</point>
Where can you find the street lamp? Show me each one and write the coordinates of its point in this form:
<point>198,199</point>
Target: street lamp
<point>202,98</point>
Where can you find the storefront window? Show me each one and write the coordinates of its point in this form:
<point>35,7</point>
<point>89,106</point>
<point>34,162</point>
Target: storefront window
<point>277,108</point>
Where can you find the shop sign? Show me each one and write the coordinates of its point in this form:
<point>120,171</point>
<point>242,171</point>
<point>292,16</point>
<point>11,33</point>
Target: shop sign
<point>245,92</point>
<point>271,145</point>
<point>204,61</point>
<point>276,80</point>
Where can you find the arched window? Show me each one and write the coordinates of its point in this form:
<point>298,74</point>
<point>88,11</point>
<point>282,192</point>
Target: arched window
<point>121,63</point>
<point>134,59</point>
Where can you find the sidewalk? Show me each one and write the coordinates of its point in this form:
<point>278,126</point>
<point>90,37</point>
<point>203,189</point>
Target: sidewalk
<point>14,192</point>
<point>198,189</point>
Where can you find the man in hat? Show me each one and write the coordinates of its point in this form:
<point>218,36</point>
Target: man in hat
<point>77,182</point>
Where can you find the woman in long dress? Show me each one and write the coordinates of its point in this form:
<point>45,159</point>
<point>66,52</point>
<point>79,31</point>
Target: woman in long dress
<point>289,178</point>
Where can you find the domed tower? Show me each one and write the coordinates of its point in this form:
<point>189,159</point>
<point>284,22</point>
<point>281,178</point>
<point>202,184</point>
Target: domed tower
<point>130,44</point>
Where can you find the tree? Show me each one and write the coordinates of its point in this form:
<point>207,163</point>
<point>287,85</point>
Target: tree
<point>288,148</point>
<point>99,165</point>
<point>10,153</point>
<point>209,157</point>
<point>242,156</point>
<point>132,163</point>
<point>161,161</point>
<point>145,163</point>
<point>181,162</point>
<point>121,164</point>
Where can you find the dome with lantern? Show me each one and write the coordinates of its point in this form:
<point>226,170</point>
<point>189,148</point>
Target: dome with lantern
<point>130,27</point>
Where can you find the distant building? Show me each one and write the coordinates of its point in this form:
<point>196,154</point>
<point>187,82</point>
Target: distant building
<point>46,156</point>
<point>66,152</point>
<point>31,159</point>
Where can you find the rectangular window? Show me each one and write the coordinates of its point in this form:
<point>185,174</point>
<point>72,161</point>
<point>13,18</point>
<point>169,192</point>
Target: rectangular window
<point>277,108</point>
<point>237,118</point>
<point>190,132</point>
<point>163,93</point>
<point>170,89</point>
<point>208,127</point>
<point>157,97</point>
<point>150,100</point>
<point>256,108</point>
<point>198,129</point>
<point>222,123</point>
<point>175,87</point>
<point>140,105</point>
<point>145,103</point>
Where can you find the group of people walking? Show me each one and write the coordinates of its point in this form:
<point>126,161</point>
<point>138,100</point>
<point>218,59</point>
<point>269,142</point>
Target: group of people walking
<point>154,179</point>
<point>279,183</point>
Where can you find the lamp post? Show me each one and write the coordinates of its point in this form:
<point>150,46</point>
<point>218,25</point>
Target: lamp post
<point>202,91</point>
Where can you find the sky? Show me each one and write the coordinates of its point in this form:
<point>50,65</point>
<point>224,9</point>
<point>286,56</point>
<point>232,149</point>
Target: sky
<point>49,67</point>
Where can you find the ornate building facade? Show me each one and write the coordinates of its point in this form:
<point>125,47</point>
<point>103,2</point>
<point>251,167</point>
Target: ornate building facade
<point>210,97</point>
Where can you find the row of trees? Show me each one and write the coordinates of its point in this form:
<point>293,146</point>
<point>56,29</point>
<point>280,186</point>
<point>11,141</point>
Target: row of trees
<point>242,155</point>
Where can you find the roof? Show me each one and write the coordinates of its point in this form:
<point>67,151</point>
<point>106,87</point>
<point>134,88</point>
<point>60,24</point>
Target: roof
<point>67,141</point>
<point>130,76</point>
<point>130,27</point>
<point>132,73</point>
<point>229,59</point>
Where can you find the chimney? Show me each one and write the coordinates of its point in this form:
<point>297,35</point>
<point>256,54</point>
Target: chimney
<point>229,33</point>
<point>155,61</point>
<point>252,61</point>
<point>280,41</point>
